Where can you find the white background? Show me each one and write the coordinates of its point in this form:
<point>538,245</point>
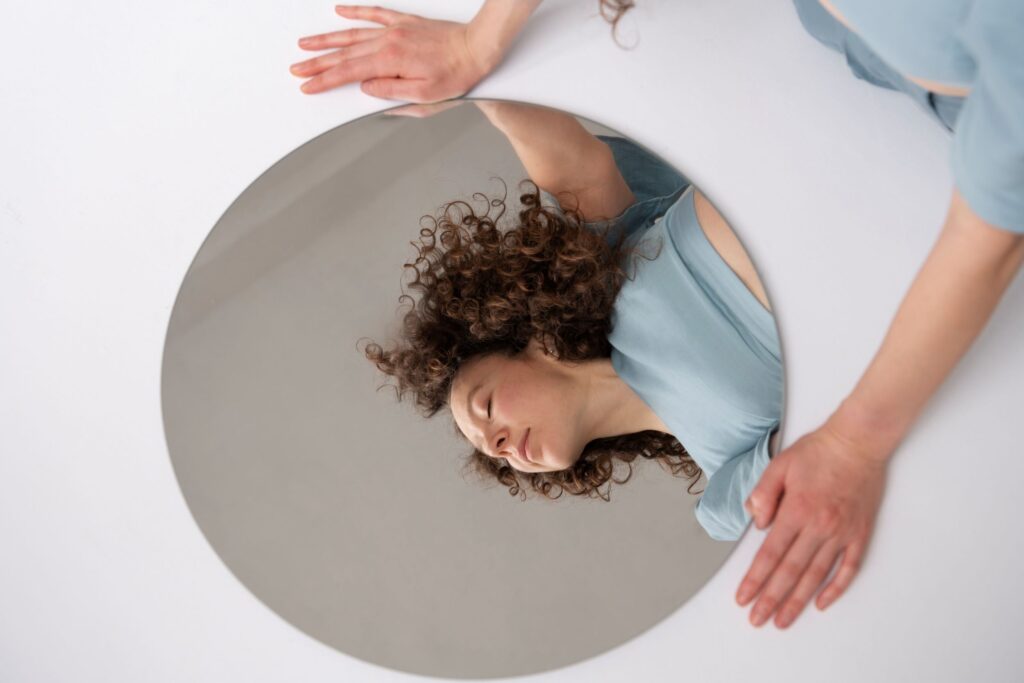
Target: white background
<point>128,130</point>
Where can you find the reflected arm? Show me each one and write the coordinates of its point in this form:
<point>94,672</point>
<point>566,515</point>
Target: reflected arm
<point>562,157</point>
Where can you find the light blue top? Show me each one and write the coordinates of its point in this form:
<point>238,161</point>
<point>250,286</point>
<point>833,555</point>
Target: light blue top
<point>693,342</point>
<point>978,44</point>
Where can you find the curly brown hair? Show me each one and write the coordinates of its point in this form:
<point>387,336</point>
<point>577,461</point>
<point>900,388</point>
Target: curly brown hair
<point>612,10</point>
<point>549,277</point>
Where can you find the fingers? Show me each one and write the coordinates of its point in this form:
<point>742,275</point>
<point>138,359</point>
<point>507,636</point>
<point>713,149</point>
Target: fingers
<point>767,558</point>
<point>785,576</point>
<point>414,111</point>
<point>421,111</point>
<point>408,89</point>
<point>377,15</point>
<point>848,568</point>
<point>809,583</point>
<point>351,36</point>
<point>349,71</point>
<point>763,500</point>
<point>311,67</point>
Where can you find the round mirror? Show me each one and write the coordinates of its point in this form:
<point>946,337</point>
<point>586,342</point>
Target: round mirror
<point>594,350</point>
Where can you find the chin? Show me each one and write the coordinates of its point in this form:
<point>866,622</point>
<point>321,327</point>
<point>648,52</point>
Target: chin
<point>568,463</point>
<point>558,466</point>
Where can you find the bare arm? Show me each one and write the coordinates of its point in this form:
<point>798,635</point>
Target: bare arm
<point>562,157</point>
<point>947,306</point>
<point>495,26</point>
<point>822,493</point>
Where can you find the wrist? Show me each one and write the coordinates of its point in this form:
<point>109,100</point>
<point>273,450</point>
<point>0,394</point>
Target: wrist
<point>485,51</point>
<point>870,431</point>
<point>495,26</point>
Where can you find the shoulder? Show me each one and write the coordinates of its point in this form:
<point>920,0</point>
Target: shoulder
<point>728,246</point>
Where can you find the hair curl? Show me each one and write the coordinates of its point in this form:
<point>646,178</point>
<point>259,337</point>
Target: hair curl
<point>549,277</point>
<point>612,10</point>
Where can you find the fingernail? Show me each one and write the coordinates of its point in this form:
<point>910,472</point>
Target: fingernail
<point>303,41</point>
<point>760,616</point>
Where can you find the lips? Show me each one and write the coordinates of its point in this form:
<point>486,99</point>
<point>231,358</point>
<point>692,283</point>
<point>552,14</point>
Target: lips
<point>522,447</point>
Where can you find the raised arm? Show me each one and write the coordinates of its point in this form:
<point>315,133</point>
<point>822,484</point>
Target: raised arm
<point>411,57</point>
<point>562,157</point>
<point>831,480</point>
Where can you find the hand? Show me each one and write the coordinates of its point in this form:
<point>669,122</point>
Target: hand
<point>410,58</point>
<point>830,486</point>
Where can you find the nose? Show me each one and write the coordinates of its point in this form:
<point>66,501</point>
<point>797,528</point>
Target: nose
<point>501,442</point>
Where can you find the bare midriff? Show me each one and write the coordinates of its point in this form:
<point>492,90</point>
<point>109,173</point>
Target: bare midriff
<point>931,86</point>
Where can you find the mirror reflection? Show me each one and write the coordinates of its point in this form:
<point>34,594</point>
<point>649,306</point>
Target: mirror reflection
<point>586,323</point>
<point>555,363</point>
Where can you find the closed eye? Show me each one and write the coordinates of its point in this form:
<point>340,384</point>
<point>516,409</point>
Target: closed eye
<point>488,409</point>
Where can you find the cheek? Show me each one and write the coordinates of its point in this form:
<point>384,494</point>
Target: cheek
<point>561,448</point>
<point>562,443</point>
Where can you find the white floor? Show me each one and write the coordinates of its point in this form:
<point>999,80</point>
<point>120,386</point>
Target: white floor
<point>129,129</point>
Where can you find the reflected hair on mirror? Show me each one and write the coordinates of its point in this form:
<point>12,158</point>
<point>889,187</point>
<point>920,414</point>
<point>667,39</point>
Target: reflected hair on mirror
<point>485,289</point>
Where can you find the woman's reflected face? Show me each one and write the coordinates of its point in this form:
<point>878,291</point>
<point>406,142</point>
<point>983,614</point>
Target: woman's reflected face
<point>498,401</point>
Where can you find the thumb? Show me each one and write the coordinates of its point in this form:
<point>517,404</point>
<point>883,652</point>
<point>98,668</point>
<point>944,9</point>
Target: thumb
<point>764,499</point>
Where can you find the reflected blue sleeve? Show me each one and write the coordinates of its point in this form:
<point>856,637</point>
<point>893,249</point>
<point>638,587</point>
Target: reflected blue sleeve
<point>655,185</point>
<point>720,508</point>
<point>988,144</point>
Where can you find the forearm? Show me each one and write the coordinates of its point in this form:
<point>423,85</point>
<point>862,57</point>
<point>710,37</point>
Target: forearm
<point>562,157</point>
<point>552,145</point>
<point>947,306</point>
<point>495,26</point>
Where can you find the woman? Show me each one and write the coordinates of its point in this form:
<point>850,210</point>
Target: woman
<point>832,477</point>
<point>554,367</point>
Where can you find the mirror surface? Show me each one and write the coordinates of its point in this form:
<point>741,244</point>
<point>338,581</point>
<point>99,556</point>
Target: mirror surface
<point>359,521</point>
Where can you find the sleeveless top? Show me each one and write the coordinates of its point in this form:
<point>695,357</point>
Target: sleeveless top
<point>692,341</point>
<point>977,44</point>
